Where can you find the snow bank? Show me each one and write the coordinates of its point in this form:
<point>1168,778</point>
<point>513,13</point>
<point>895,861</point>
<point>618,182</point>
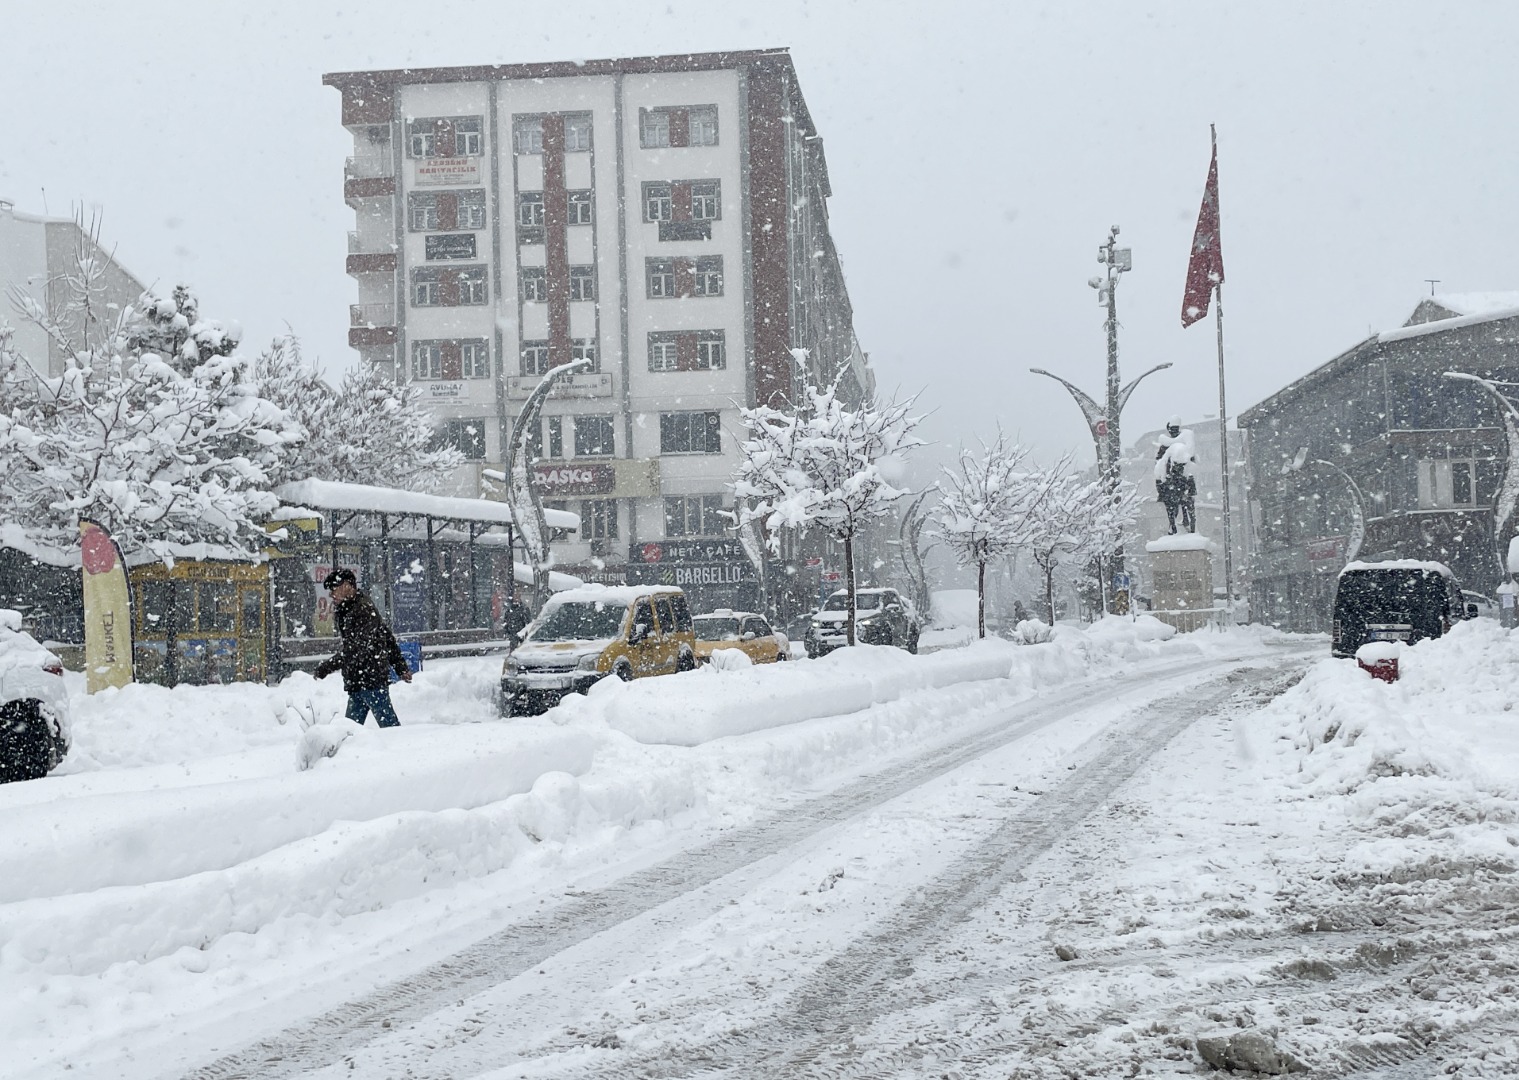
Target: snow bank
<point>953,607</point>
<point>133,837</point>
<point>1181,542</point>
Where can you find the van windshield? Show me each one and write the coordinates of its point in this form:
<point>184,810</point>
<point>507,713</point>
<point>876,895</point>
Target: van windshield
<point>581,621</point>
<point>716,629</point>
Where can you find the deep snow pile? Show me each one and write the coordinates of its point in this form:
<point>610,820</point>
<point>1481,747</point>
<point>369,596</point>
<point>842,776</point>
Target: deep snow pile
<point>182,853</point>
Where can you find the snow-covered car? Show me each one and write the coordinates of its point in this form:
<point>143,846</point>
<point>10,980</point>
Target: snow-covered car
<point>34,708</point>
<point>745,631</point>
<point>882,617</point>
<point>1404,600</point>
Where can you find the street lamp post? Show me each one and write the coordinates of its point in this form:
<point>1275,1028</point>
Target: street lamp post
<point>1103,420</point>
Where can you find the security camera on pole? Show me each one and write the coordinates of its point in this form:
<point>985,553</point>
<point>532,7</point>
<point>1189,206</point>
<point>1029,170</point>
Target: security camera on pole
<point>1103,420</point>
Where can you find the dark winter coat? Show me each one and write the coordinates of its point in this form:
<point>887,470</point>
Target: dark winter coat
<point>514,620</point>
<point>369,648</point>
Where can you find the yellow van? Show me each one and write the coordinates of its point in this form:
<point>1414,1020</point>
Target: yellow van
<point>585,634</point>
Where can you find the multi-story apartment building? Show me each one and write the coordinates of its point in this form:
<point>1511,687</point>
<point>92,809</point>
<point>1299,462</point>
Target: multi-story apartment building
<point>37,254</point>
<point>663,217</point>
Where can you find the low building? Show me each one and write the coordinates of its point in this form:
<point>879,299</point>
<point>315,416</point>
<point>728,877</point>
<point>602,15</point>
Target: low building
<point>665,218</point>
<point>37,254</point>
<point>1378,454</point>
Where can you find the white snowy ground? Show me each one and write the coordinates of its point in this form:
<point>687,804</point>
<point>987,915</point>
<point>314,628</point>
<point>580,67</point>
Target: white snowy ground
<point>178,888</point>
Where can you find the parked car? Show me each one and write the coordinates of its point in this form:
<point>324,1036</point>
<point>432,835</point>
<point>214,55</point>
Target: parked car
<point>1402,600</point>
<point>882,617</point>
<point>583,635</point>
<point>34,709</point>
<point>1479,606</point>
<point>745,631</point>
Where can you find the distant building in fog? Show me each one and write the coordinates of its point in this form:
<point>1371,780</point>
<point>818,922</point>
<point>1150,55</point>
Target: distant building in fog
<point>1426,452</point>
<point>35,254</point>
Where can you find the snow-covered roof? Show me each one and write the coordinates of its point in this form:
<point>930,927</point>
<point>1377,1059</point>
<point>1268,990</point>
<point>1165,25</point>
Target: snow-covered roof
<point>332,495</point>
<point>1494,309</point>
<point>1427,565</point>
<point>1181,542</point>
<point>608,594</point>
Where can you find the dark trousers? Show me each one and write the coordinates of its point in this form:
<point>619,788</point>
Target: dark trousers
<point>361,702</point>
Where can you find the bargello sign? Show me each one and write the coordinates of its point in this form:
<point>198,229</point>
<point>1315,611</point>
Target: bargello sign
<point>689,562</point>
<point>559,478</point>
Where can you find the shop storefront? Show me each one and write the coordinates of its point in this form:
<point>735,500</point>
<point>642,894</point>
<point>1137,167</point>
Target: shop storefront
<point>714,573</point>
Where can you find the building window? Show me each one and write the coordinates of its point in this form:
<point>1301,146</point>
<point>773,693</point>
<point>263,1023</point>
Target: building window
<point>444,136</point>
<point>658,201</point>
<point>475,359</point>
<point>555,425</point>
<point>437,286</point>
<point>450,360</point>
<point>706,200</point>
<point>584,349</point>
<point>426,360</point>
<point>594,436</point>
<point>688,350</point>
<point>598,519</point>
<point>1447,483</point>
<point>709,276</point>
<point>535,357</point>
<point>695,515</point>
<point>472,286</point>
<point>465,436</point>
<point>446,211</point>
<point>580,208</point>
<point>527,135</point>
<point>577,132</point>
<point>530,217</point>
<point>703,125</point>
<point>660,275</point>
<point>582,283</point>
<point>535,285</point>
<point>694,125</point>
<point>690,433</point>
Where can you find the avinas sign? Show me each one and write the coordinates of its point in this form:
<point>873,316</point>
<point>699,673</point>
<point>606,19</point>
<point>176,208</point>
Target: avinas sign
<point>567,478</point>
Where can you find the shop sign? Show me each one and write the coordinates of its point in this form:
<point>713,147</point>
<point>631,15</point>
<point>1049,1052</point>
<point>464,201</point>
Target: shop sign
<point>450,246</point>
<point>567,478</point>
<point>689,562</point>
<point>441,172</point>
<point>1326,548</point>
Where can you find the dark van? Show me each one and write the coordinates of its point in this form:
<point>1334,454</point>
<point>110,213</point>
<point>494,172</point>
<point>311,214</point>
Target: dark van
<point>1403,600</point>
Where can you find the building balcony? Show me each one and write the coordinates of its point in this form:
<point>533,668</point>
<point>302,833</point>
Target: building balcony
<point>371,325</point>
<point>373,262</point>
<point>356,168</point>
<point>372,315</point>
<point>356,189</point>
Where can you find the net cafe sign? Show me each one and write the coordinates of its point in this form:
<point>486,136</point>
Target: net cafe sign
<point>558,478</point>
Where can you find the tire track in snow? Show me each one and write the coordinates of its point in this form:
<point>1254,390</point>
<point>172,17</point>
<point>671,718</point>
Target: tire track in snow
<point>331,1036</point>
<point>813,1034</point>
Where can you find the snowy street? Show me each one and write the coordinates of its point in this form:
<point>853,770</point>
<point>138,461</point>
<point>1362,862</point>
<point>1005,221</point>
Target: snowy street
<point>948,873</point>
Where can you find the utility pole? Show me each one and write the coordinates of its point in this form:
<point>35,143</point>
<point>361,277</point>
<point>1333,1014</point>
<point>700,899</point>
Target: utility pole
<point>1103,420</point>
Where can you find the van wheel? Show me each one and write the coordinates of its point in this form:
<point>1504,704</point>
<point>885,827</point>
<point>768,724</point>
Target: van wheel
<point>26,744</point>
<point>623,672</point>
<point>686,661</point>
<point>781,658</point>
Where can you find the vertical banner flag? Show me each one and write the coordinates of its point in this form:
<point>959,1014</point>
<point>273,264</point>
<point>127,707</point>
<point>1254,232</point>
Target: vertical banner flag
<point>107,610</point>
<point>1206,267</point>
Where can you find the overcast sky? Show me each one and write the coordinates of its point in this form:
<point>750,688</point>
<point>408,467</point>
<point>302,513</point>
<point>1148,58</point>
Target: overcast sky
<point>978,154</point>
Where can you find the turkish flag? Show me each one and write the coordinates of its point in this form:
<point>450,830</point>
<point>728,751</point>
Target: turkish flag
<point>1206,267</point>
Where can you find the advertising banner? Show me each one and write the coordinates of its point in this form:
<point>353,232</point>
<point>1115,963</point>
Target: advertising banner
<point>408,589</point>
<point>107,610</point>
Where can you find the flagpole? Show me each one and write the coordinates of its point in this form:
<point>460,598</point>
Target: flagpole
<point>1223,457</point>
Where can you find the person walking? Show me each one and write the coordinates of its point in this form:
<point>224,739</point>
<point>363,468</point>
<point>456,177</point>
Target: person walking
<point>514,619</point>
<point>368,654</point>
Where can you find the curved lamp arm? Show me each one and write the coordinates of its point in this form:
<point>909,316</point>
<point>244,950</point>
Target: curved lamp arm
<point>1089,408</point>
<point>1123,395</point>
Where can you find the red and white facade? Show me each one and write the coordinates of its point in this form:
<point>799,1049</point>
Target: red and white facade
<point>664,216</point>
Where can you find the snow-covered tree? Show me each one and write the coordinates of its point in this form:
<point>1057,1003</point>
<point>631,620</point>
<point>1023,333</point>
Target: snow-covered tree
<point>367,431</point>
<point>823,465</point>
<point>1082,521</point>
<point>164,451</point>
<point>990,508</point>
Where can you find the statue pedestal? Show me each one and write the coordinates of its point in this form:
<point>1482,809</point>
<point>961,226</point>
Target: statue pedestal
<point>1181,576</point>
